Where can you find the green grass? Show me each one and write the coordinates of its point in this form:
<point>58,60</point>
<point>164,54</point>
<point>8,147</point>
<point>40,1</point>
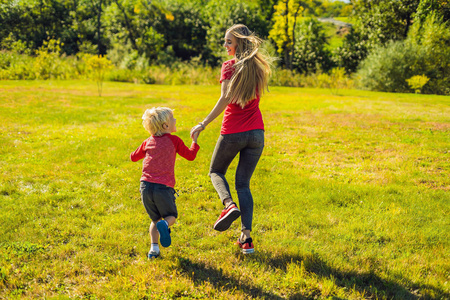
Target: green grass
<point>351,197</point>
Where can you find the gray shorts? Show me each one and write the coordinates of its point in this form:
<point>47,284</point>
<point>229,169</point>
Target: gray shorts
<point>158,200</point>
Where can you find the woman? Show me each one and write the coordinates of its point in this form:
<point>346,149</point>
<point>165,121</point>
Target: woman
<point>243,79</point>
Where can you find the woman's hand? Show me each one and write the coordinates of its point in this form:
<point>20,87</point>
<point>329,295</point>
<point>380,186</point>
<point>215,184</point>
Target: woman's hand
<point>195,137</point>
<point>215,112</point>
<point>196,130</point>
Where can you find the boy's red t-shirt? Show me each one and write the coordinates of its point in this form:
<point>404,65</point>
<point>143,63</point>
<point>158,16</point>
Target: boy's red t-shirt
<point>235,118</point>
<point>159,154</point>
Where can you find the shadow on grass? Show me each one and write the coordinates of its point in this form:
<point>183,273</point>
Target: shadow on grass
<point>368,284</point>
<point>200,273</point>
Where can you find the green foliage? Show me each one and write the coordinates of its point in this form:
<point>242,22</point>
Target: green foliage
<point>417,82</point>
<point>137,34</point>
<point>98,66</point>
<point>47,62</point>
<point>330,8</point>
<point>427,7</point>
<point>310,53</point>
<point>335,81</point>
<point>286,16</point>
<point>433,36</point>
<point>384,20</point>
<point>426,51</point>
<point>35,21</point>
<point>13,45</point>
<point>185,32</point>
<point>351,53</point>
<point>387,68</point>
<point>132,28</point>
<point>127,75</point>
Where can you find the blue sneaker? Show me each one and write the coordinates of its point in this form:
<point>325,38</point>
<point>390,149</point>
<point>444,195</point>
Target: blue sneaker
<point>164,233</point>
<point>153,255</point>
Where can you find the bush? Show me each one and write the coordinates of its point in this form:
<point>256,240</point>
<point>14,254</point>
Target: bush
<point>351,53</point>
<point>15,66</point>
<point>309,49</point>
<point>387,68</point>
<point>417,82</point>
<point>426,52</point>
<point>335,80</point>
<point>133,76</point>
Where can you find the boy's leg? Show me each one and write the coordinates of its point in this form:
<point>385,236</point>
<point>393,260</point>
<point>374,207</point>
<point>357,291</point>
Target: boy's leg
<point>146,189</point>
<point>164,231</point>
<point>170,220</point>
<point>165,201</point>
<point>154,234</point>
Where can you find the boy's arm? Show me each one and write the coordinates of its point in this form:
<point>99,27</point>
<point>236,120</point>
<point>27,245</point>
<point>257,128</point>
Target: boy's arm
<point>139,153</point>
<point>188,153</point>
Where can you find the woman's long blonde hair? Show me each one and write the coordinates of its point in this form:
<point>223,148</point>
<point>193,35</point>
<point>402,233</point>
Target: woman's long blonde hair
<point>251,70</point>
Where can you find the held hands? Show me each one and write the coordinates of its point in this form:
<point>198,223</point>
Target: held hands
<point>194,136</point>
<point>195,131</point>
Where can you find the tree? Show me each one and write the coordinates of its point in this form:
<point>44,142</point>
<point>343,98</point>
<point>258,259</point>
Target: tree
<point>440,7</point>
<point>309,50</point>
<point>186,31</point>
<point>425,52</point>
<point>131,29</point>
<point>287,13</point>
<point>384,20</point>
<point>352,52</point>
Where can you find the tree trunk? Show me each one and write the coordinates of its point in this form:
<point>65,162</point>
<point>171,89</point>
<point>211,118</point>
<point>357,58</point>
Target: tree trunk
<point>127,24</point>
<point>286,42</point>
<point>99,14</point>
<point>293,34</point>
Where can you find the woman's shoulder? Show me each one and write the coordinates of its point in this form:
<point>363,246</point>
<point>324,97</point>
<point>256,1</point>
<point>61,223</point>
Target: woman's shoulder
<point>229,62</point>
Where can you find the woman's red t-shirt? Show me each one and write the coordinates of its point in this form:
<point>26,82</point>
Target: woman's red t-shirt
<point>235,118</point>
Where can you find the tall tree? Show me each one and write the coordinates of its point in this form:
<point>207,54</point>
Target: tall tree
<point>384,20</point>
<point>287,13</point>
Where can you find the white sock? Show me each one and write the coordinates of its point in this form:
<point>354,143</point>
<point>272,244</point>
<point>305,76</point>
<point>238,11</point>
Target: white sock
<point>155,248</point>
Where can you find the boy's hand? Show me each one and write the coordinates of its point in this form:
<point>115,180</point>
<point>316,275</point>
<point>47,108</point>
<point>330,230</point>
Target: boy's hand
<point>195,136</point>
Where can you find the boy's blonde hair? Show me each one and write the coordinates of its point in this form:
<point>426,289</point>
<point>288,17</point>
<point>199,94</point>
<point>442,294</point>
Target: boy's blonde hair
<point>154,119</point>
<point>252,68</point>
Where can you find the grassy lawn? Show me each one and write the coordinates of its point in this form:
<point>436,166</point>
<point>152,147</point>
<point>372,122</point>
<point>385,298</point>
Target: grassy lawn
<point>352,197</point>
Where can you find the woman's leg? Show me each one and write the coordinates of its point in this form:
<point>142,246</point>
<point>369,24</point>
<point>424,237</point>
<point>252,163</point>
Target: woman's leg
<point>226,150</point>
<point>224,153</point>
<point>248,160</point>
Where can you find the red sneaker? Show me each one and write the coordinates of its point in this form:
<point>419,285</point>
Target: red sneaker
<point>227,217</point>
<point>247,246</point>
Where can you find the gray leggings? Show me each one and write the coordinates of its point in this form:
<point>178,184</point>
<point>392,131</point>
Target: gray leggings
<point>249,145</point>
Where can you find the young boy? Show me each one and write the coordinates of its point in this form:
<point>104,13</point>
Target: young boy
<point>158,178</point>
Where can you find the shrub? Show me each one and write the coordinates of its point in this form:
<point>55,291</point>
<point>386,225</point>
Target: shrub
<point>310,53</point>
<point>387,68</point>
<point>426,52</point>
<point>417,82</point>
<point>351,53</point>
<point>47,64</point>
<point>98,66</point>
<point>337,79</point>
